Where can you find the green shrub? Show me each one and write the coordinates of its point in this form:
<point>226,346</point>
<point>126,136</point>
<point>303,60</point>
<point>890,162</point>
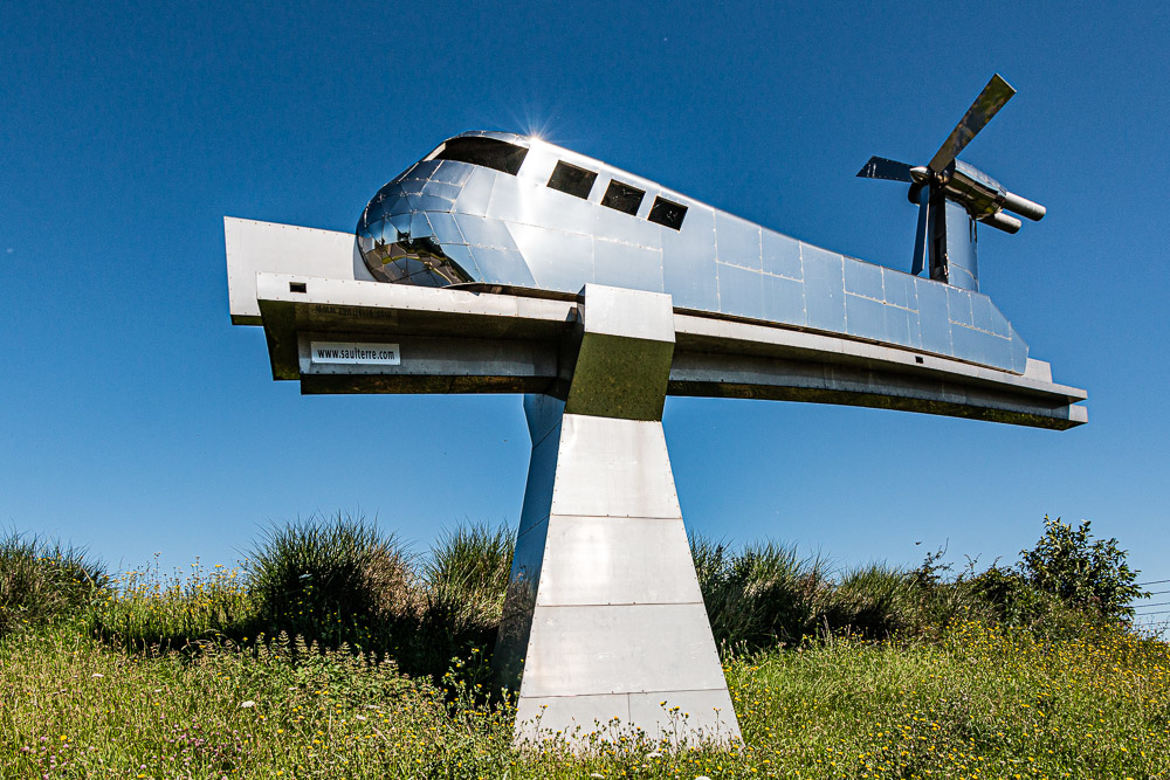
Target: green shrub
<point>468,568</point>
<point>937,599</point>
<point>1085,574</point>
<point>42,581</point>
<point>763,594</point>
<point>1014,601</point>
<point>873,602</point>
<point>465,579</point>
<point>333,580</point>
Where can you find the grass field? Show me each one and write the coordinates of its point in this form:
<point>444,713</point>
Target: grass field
<point>910,675</point>
<point>979,702</point>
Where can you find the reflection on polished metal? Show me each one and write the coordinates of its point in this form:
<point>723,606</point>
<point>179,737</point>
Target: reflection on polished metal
<point>521,227</point>
<point>604,626</point>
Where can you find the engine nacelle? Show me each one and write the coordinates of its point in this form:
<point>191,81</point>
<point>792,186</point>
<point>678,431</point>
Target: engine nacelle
<point>985,198</point>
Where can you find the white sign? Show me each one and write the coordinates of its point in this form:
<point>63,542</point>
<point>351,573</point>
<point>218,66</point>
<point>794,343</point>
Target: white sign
<point>354,353</point>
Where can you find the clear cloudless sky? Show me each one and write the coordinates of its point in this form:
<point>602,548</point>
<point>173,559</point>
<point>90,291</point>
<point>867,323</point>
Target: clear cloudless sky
<point>135,419</point>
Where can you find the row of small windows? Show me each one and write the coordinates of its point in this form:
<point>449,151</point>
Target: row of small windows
<point>621,197</point>
<point>507,158</point>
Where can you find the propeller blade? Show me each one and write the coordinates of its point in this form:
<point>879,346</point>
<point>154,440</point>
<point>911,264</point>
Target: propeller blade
<point>991,99</point>
<point>920,236</point>
<point>881,168</point>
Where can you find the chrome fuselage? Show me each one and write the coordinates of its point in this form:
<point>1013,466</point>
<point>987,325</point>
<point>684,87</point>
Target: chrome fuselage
<point>448,221</point>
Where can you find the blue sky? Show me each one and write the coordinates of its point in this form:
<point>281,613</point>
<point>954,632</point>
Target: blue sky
<point>135,419</point>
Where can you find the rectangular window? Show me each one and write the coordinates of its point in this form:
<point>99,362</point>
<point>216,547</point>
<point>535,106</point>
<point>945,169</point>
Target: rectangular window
<point>571,179</point>
<point>488,152</point>
<point>668,213</point>
<point>622,197</point>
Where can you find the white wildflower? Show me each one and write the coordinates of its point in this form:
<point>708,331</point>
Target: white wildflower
<point>248,703</point>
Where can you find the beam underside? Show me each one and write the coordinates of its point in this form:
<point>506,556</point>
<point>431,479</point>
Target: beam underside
<point>521,345</point>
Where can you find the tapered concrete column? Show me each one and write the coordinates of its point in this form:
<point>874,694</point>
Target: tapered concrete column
<point>604,618</point>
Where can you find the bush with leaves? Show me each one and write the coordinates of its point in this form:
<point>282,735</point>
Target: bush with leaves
<point>1084,573</point>
<point>1012,600</point>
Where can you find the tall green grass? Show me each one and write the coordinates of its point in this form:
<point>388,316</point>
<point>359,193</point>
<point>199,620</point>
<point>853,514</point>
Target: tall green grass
<point>335,579</point>
<point>767,594</point>
<point>760,595</point>
<point>340,580</point>
<point>338,652</point>
<point>465,576</point>
<point>974,701</point>
<point>144,608</point>
<point>42,581</point>
<point>468,569</point>
<point>874,602</point>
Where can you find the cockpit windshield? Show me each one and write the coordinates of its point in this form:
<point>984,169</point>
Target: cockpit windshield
<point>479,150</point>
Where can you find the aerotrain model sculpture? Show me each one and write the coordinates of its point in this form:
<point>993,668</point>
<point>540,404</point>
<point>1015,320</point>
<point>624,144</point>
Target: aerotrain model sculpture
<point>598,294</point>
<point>500,209</point>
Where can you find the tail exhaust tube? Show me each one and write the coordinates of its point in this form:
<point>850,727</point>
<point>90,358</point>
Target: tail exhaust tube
<point>1024,207</point>
<point>1004,222</point>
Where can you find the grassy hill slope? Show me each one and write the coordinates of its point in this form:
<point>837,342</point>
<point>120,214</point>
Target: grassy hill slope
<point>977,702</point>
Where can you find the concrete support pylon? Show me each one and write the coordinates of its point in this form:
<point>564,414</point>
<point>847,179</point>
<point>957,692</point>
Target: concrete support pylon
<point>604,618</point>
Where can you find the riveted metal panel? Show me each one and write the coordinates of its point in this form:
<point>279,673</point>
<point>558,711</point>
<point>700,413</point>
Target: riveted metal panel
<point>557,260</point>
<point>602,560</point>
<point>444,227</point>
<point>583,650</point>
<point>737,241</point>
<point>863,278</point>
<point>933,318</point>
<point>865,318</point>
<point>898,289</point>
<point>502,266</point>
<point>959,305</point>
<point>901,324</point>
<point>630,314</point>
<point>781,255</point>
<point>452,172</point>
<point>689,261</point>
<point>824,291</point>
<point>482,232</point>
<point>976,343</point>
<point>783,300</point>
<point>476,192</point>
<point>626,265</point>
<point>741,290</point>
<point>614,457</point>
<point>625,228</point>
